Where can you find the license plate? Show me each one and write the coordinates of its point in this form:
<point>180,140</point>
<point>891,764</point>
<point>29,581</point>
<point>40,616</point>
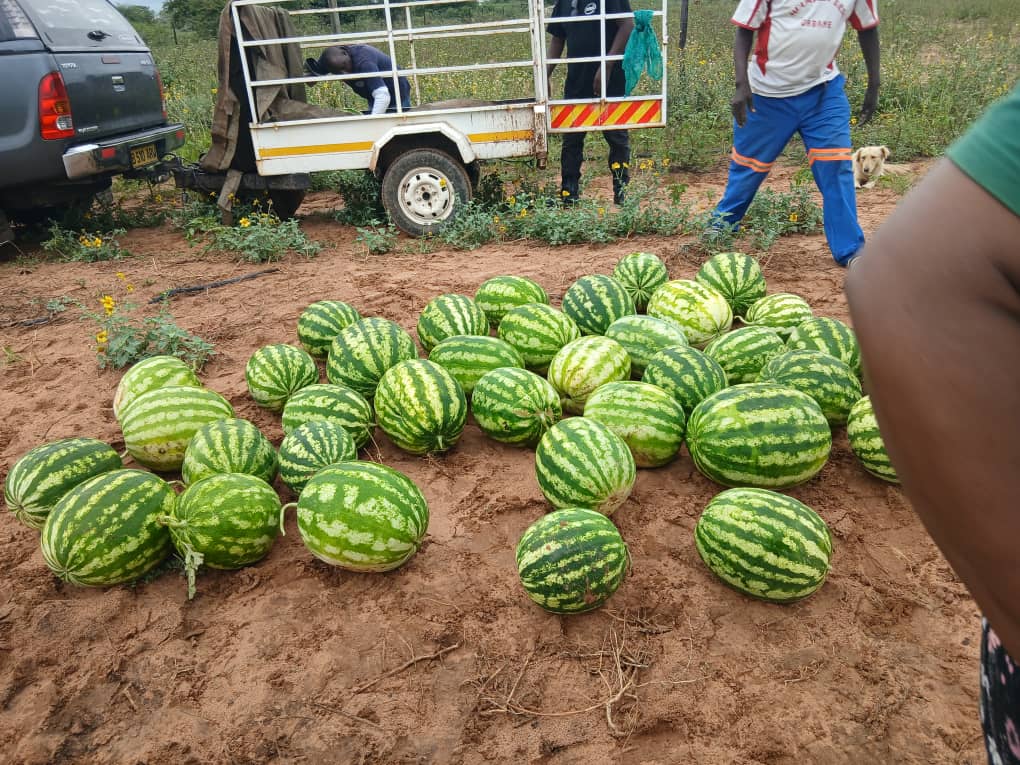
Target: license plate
<point>144,155</point>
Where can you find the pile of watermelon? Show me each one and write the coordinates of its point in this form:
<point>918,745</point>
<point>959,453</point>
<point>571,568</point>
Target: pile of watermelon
<point>755,405</point>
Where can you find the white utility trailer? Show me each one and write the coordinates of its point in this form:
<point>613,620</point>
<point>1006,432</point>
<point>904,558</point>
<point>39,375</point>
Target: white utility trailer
<point>427,156</point>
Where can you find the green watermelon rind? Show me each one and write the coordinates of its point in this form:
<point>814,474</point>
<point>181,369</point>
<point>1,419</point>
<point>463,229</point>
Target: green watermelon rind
<point>583,365</point>
<point>328,401</point>
<point>450,315</point>
<point>321,321</point>
<point>537,331</point>
<point>743,352</point>
<point>701,311</point>
<point>866,441</point>
<point>229,446</point>
<point>150,374</point>
<point>644,336</point>
<point>470,357</point>
<point>641,273</point>
<point>309,448</point>
<point>831,383</point>
<point>500,294</point>
<point>687,374</point>
<point>596,301</point>
<point>515,406</point>
<point>276,372</point>
<point>649,420</point>
<point>421,407</point>
<point>736,276</point>
<point>361,353</point>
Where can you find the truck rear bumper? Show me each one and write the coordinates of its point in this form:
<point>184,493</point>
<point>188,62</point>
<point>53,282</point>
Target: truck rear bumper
<point>134,151</point>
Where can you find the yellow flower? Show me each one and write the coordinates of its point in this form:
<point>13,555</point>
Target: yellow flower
<point>564,193</point>
<point>665,161</point>
<point>130,288</point>
<point>97,242</point>
<point>84,241</point>
<point>244,223</point>
<point>524,212</point>
<point>213,91</point>
<point>793,217</point>
<point>702,62</point>
<point>512,201</point>
<point>108,304</point>
<point>495,219</point>
<point>853,120</point>
<point>602,211</point>
<point>101,337</point>
<point>120,275</point>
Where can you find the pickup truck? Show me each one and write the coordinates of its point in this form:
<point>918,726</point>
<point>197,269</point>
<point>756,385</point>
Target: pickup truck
<point>82,102</point>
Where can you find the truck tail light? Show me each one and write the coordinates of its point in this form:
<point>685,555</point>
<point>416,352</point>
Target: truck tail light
<point>55,120</point>
<point>162,95</point>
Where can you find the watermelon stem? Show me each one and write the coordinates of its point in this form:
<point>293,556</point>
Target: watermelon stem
<point>175,484</point>
<point>283,514</point>
<point>192,560</point>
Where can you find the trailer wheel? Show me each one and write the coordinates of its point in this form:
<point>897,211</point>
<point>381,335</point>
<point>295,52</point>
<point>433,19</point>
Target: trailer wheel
<point>423,189</point>
<point>286,202</point>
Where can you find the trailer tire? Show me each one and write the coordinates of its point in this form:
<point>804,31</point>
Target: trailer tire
<point>286,202</point>
<point>423,189</point>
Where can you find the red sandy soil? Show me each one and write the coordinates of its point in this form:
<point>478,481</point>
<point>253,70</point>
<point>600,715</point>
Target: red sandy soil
<point>291,660</point>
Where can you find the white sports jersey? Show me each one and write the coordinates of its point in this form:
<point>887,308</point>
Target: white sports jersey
<point>797,40</point>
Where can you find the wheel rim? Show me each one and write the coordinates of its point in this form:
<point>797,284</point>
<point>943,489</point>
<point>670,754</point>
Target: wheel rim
<point>426,195</point>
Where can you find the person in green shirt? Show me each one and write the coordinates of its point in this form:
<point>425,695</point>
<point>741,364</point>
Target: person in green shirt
<point>935,300</point>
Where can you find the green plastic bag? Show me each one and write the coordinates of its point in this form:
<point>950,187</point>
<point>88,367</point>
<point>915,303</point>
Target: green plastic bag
<point>642,52</point>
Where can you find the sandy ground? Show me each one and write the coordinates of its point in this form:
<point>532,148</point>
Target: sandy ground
<point>291,660</point>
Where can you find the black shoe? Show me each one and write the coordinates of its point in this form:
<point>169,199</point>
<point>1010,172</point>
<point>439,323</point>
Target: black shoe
<point>619,196</point>
<point>568,198</point>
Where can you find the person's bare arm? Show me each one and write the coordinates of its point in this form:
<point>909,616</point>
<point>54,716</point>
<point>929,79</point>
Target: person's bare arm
<point>742,101</point>
<point>868,40</point>
<point>619,45</point>
<point>935,299</point>
<point>553,52</point>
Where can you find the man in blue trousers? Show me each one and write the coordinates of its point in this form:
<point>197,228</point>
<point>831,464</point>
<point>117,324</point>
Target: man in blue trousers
<point>792,85</point>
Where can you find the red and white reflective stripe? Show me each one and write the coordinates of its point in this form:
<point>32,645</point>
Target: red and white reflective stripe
<point>591,115</point>
<point>756,165</point>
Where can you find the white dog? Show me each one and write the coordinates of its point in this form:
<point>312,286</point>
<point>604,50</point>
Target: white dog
<point>869,164</point>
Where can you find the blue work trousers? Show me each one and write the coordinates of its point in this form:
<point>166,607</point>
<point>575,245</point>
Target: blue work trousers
<point>822,117</point>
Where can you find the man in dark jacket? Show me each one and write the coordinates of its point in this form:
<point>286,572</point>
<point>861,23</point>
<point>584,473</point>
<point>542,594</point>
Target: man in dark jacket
<point>584,80</point>
<point>377,85</point>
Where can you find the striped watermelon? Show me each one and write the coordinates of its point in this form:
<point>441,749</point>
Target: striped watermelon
<point>362,352</point>
<point>104,531</point>
<point>782,311</point>
<point>46,473</point>
<point>687,374</point>
<point>702,312</point>
<point>421,407</point>
<point>764,544</point>
<point>149,374</point>
<point>537,332</point>
<point>643,336</point>
<point>583,365</point>
<point>743,352</point>
<point>229,446</point>
<point>275,372</point>
<point>469,357</point>
<point>582,463</point>
<point>594,302</point>
<point>641,273</point>
<point>336,403</point>
<point>515,406</point>
<point>310,447</point>
<point>449,315</point>
<point>866,442</point>
<point>736,276</point>
<point>320,322</point>
<point>648,419</point>
<point>829,336</point>
<point>158,425</point>
<point>362,516</point>
<point>501,294</point>
<point>826,379</point>
<point>225,521</point>
<point>758,434</point>
<point>571,560</point>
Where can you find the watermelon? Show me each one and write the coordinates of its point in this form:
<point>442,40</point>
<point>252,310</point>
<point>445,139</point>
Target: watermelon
<point>362,516</point>
<point>310,447</point>
<point>571,560</point>
<point>758,434</point>
<point>421,407</point>
<point>648,419</point>
<point>229,446</point>
<point>702,312</point>
<point>585,364</point>
<point>829,336</point>
<point>582,463</point>
<point>450,315</point>
<point>782,311</point>
<point>831,383</point>
<point>275,372</point>
<point>501,294</point>
<point>149,374</point>
<point>337,403</point>
<point>764,544</point>
<point>226,521</point>
<point>515,406</point>
<point>643,336</point>
<point>46,473</point>
<point>537,332</point>
<point>735,276</point>
<point>641,273</point>
<point>158,425</point>
<point>104,531</point>
<point>866,442</point>
<point>469,357</point>
<point>320,322</point>
<point>594,302</point>
<point>687,374</point>
<point>743,352</point>
<point>362,352</point>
